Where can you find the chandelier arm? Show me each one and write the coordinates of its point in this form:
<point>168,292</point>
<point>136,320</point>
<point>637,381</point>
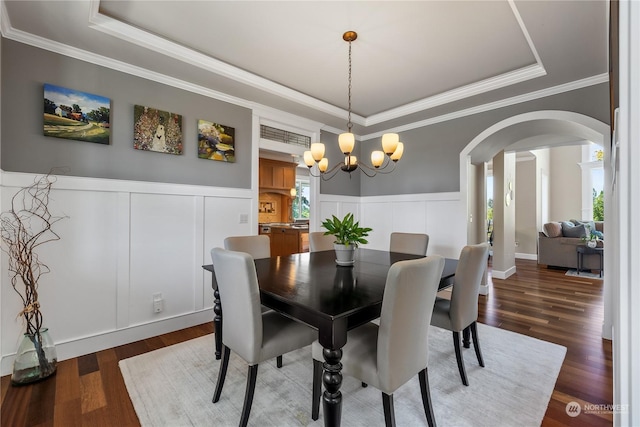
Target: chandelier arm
<point>363,169</point>
<point>380,170</point>
<point>331,172</point>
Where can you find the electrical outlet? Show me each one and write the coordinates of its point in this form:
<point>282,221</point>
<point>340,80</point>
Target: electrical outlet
<point>158,303</point>
<point>244,218</point>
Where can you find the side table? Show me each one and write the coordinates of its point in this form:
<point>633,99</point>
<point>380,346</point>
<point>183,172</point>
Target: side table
<point>585,250</point>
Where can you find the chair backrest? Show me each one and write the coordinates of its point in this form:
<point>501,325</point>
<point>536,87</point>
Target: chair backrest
<point>256,246</point>
<point>319,242</point>
<point>407,305</point>
<point>409,243</point>
<point>464,296</point>
<point>240,298</point>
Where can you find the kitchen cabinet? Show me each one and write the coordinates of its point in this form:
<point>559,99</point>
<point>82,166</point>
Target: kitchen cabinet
<point>277,175</point>
<point>287,240</point>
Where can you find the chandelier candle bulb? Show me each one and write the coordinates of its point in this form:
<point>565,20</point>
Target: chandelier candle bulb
<point>308,159</point>
<point>346,141</point>
<point>397,154</point>
<point>323,164</point>
<point>390,142</point>
<point>377,157</point>
<point>317,151</point>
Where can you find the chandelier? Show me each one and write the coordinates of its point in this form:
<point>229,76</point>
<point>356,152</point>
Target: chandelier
<point>381,161</point>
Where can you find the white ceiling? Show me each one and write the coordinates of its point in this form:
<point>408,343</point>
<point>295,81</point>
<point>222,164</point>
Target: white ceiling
<point>413,61</point>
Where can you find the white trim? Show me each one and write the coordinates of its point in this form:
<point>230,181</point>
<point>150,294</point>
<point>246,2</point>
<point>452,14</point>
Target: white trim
<point>94,343</point>
<point>64,182</point>
<point>503,274</point>
<point>532,257</point>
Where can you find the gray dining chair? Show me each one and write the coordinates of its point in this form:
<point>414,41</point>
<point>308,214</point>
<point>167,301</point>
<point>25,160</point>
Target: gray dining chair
<point>388,355</point>
<point>256,246</point>
<point>409,243</point>
<point>460,313</point>
<point>318,241</point>
<point>251,334</point>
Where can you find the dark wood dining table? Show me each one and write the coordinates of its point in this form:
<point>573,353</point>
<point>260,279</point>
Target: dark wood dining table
<point>313,289</point>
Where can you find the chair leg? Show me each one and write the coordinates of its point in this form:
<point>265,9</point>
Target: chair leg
<point>456,346</point>
<point>365,385</point>
<point>426,397</point>
<point>316,389</point>
<point>476,342</point>
<point>222,373</point>
<point>279,361</point>
<point>248,395</point>
<point>466,332</point>
<point>389,413</point>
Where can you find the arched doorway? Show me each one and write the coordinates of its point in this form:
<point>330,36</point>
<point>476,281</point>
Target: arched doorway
<point>538,129</point>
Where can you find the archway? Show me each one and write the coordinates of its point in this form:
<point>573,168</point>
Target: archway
<point>538,129</point>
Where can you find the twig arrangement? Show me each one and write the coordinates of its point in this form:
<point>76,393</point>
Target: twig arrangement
<point>25,227</point>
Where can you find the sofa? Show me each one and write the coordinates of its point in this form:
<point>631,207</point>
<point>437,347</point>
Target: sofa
<point>558,241</point>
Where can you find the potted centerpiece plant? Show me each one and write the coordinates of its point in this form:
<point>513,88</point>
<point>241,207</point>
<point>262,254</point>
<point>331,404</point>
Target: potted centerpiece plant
<point>591,238</point>
<point>348,235</point>
<point>26,226</point>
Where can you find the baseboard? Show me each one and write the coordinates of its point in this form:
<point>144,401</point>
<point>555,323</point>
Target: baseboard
<point>81,346</point>
<point>532,257</point>
<point>484,290</point>
<point>496,274</point>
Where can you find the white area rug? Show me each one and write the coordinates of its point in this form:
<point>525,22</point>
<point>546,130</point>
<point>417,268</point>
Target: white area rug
<point>173,386</point>
<point>574,273</point>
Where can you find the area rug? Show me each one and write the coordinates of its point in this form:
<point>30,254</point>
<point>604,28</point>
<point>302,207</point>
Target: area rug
<point>173,386</point>
<point>588,274</point>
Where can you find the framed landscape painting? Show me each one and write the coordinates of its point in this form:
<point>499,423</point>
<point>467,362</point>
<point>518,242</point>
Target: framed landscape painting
<point>156,130</point>
<point>216,142</point>
<point>72,114</point>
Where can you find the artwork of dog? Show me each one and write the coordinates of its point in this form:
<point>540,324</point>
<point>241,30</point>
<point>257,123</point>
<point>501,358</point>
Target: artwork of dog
<point>159,142</point>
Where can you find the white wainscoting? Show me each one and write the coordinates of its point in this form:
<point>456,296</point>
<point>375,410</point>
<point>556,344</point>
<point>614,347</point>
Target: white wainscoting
<point>123,242</point>
<point>440,215</point>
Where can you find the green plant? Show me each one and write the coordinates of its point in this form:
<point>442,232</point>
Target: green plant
<point>347,231</point>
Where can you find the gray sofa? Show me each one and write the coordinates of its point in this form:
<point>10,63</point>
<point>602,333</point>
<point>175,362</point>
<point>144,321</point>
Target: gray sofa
<point>555,249</point>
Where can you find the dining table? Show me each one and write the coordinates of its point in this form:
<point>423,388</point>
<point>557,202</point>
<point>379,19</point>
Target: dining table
<point>311,288</point>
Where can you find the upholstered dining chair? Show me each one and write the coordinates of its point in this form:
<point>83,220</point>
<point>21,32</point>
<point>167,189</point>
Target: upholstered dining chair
<point>388,355</point>
<point>256,246</point>
<point>409,243</point>
<point>318,241</point>
<point>251,334</point>
<point>460,313</point>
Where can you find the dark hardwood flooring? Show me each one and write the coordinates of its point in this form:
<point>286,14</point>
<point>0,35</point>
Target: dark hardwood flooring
<point>542,303</point>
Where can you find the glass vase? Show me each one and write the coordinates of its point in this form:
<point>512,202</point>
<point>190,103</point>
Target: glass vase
<point>36,358</point>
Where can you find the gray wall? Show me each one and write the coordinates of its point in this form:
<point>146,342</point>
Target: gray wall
<point>526,208</point>
<point>566,183</point>
<point>24,148</point>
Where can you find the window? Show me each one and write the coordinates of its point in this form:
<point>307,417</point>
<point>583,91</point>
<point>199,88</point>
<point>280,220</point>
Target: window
<point>301,203</point>
<point>593,183</point>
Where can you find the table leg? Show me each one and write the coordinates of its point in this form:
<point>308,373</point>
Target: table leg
<point>332,379</point>
<point>579,255</point>
<point>217,322</point>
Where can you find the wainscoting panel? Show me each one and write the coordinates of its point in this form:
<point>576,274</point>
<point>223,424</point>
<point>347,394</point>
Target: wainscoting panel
<point>122,242</point>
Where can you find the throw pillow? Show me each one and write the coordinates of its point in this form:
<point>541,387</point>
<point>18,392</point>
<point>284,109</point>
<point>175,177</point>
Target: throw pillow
<point>552,229</point>
<point>569,229</point>
<point>590,224</point>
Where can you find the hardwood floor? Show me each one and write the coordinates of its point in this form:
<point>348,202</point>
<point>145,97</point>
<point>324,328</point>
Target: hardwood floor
<point>542,303</point>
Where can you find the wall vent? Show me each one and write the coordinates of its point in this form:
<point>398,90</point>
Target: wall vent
<point>280,135</point>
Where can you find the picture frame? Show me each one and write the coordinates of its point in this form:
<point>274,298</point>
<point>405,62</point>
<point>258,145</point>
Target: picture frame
<point>77,115</point>
<point>157,130</point>
<point>216,141</point>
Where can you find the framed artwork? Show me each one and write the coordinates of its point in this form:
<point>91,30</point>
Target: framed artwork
<point>156,130</point>
<point>72,114</point>
<point>216,142</point>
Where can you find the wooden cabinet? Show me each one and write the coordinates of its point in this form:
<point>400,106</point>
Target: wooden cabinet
<point>277,175</point>
<point>287,241</point>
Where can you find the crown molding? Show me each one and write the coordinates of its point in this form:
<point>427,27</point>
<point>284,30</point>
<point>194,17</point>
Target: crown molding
<point>555,90</point>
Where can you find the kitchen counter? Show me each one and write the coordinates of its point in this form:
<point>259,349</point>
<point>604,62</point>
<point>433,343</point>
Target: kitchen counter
<point>286,238</point>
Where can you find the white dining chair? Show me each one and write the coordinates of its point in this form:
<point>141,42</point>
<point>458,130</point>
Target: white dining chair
<point>251,334</point>
<point>409,243</point>
<point>318,241</point>
<point>388,355</point>
<point>460,313</point>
